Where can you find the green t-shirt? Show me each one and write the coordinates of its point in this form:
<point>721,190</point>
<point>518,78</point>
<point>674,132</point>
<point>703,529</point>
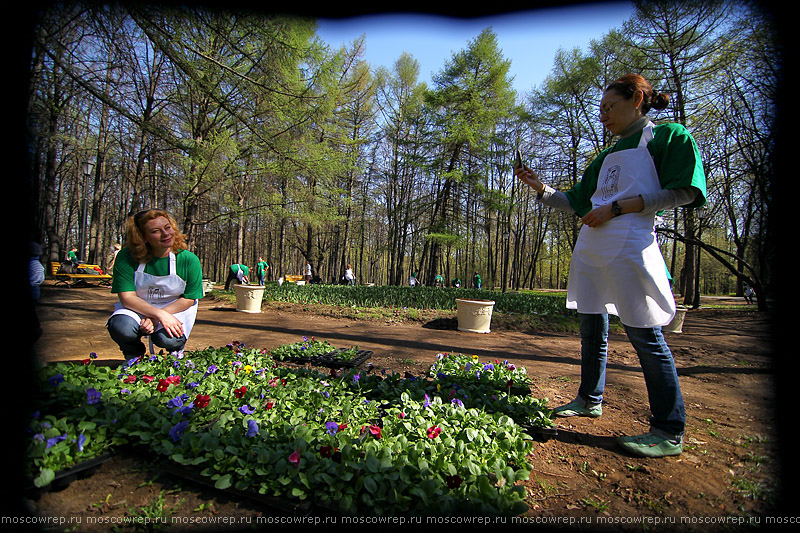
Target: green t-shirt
<point>261,267</point>
<point>187,266</point>
<point>244,268</point>
<point>676,158</point>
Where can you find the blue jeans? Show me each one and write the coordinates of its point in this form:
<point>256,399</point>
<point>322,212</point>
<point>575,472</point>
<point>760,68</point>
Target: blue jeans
<point>125,331</point>
<point>655,357</point>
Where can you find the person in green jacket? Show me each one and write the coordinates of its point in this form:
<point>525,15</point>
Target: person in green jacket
<point>261,270</point>
<point>239,274</point>
<point>476,281</point>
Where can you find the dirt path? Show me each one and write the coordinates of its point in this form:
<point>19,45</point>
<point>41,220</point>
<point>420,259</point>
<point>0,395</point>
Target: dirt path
<point>728,471</point>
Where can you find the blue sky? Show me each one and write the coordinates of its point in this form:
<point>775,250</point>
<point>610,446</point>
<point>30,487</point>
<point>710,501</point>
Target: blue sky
<point>530,39</point>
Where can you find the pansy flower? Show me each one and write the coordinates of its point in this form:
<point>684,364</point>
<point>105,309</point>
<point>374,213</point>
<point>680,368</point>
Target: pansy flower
<point>434,432</point>
<point>294,458</point>
<point>93,396</point>
<point>240,391</point>
<point>331,428</point>
<point>202,400</point>
<point>252,428</point>
<point>55,440</point>
<point>176,402</point>
<point>453,482</point>
<point>247,410</point>
<point>327,451</point>
<point>177,430</point>
<point>375,431</point>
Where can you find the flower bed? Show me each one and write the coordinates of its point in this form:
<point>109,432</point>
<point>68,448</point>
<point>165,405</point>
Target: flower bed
<point>344,440</point>
<point>320,353</point>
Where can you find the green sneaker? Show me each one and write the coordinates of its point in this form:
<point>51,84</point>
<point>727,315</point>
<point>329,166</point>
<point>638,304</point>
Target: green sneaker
<point>577,408</point>
<point>649,445</point>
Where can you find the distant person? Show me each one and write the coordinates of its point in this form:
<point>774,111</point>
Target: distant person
<point>749,293</point>
<point>159,283</point>
<point>412,280</point>
<point>238,273</point>
<point>35,271</point>
<point>117,247</point>
<point>349,277</point>
<point>456,283</point>
<point>438,281</point>
<point>476,281</point>
<point>307,272</point>
<point>72,255</point>
<point>261,271</point>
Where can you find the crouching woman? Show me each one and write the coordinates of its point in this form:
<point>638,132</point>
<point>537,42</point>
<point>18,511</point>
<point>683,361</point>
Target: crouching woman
<point>158,282</point>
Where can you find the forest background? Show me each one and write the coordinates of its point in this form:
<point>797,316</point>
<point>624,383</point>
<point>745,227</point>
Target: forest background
<point>264,141</point>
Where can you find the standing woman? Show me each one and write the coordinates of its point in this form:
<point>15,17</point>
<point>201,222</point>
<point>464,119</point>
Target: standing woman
<point>261,271</point>
<point>616,265</point>
<point>158,282</point>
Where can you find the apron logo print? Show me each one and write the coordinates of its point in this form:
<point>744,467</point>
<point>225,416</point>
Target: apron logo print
<point>611,183</point>
<point>155,293</point>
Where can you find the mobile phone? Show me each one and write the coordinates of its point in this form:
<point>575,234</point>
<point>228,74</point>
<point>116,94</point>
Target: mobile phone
<point>518,160</point>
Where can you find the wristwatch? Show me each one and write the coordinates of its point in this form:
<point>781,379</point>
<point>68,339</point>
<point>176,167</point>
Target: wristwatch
<point>616,209</point>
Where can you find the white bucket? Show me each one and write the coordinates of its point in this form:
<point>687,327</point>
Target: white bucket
<point>676,326</point>
<point>474,315</point>
<point>208,285</point>
<point>249,298</point>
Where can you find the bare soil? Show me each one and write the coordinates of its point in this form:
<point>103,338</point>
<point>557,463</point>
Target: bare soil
<point>729,471</point>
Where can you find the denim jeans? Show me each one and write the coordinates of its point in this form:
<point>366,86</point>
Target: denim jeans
<point>666,401</point>
<point>124,330</point>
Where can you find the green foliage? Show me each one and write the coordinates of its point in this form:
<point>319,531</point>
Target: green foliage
<point>547,304</point>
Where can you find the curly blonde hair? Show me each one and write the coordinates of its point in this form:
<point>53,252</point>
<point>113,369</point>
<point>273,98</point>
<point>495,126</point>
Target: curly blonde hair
<point>140,250</point>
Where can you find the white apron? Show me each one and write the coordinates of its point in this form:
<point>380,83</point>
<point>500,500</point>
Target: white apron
<point>160,291</point>
<point>617,268</point>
